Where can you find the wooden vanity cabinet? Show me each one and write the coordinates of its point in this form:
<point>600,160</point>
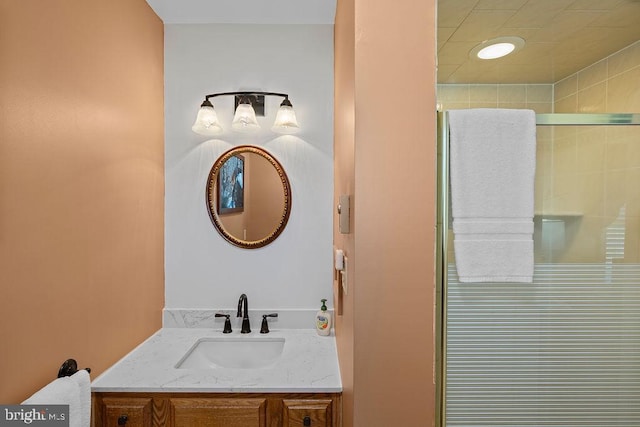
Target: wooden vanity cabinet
<point>217,409</point>
<point>129,411</point>
<point>214,412</point>
<point>307,412</point>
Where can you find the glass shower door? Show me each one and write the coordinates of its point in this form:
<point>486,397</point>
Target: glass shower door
<point>565,350</point>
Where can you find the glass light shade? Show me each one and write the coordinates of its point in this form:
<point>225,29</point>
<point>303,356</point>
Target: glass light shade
<point>285,121</point>
<point>245,119</point>
<point>207,122</point>
<point>495,51</point>
<point>497,48</point>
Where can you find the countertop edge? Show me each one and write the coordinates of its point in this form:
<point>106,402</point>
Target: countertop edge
<point>164,351</point>
<point>179,390</point>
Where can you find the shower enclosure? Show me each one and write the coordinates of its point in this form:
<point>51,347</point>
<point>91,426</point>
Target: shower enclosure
<point>563,351</point>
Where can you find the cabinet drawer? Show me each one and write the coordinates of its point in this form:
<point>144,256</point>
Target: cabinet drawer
<point>212,412</point>
<point>307,412</point>
<point>129,412</point>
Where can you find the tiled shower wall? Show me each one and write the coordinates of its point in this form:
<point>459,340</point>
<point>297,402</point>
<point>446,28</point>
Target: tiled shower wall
<point>595,170</point>
<point>537,97</point>
<point>586,179</point>
<point>611,85</point>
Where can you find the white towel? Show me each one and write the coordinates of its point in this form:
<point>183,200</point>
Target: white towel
<point>66,391</point>
<point>83,380</point>
<point>492,170</point>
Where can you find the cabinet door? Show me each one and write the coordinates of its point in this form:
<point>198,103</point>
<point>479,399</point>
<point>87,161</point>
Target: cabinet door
<point>126,411</point>
<point>213,412</point>
<point>307,412</point>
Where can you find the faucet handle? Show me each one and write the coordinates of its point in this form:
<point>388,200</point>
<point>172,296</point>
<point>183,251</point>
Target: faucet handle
<point>227,322</point>
<point>264,329</point>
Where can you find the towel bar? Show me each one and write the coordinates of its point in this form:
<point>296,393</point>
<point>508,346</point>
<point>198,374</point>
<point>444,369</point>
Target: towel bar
<point>69,367</point>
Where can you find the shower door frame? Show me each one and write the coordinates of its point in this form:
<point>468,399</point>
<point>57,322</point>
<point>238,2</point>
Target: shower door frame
<point>442,225</point>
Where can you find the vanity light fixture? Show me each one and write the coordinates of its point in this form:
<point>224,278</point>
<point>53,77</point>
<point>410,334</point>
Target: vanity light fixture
<point>248,105</point>
<point>497,48</point>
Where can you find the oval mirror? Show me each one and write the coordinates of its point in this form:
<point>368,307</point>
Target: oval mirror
<point>248,197</point>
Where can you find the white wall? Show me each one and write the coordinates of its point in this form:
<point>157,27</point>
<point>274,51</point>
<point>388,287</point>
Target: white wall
<point>202,270</point>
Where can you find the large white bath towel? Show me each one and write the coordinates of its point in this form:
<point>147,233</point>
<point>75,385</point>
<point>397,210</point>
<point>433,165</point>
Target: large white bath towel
<point>492,169</point>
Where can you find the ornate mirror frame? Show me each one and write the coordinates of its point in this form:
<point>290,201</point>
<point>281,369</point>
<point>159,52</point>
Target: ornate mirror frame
<point>212,200</point>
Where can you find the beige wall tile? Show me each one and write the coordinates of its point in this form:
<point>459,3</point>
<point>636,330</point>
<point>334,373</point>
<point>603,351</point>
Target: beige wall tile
<point>616,184</point>
<point>513,105</point>
<point>566,87</point>
<point>565,133</point>
<point>483,93</point>
<point>621,154</point>
<point>453,93</point>
<point>592,75</point>
<point>454,105</point>
<point>633,195</point>
<point>512,93</point>
<point>535,96</point>
<point>624,60</point>
<point>630,136</point>
<point>593,99</point>
<point>623,92</point>
<point>590,193</point>
<point>568,104</point>
<point>564,162</point>
<point>483,105</point>
<point>591,150</point>
<point>632,240</point>
<point>544,133</point>
<point>597,180</point>
<point>540,107</point>
<point>540,93</point>
<point>543,177</point>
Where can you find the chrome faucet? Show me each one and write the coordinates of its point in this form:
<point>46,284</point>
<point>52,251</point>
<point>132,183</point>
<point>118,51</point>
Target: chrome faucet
<point>246,328</point>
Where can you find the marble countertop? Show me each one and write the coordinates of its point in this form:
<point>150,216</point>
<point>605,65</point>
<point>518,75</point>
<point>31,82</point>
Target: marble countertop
<point>309,363</point>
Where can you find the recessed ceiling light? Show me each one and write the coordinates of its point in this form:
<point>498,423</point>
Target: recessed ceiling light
<point>497,48</point>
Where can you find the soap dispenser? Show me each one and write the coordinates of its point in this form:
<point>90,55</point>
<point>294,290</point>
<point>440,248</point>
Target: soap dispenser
<point>323,320</point>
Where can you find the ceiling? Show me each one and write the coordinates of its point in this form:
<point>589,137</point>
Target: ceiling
<point>562,37</point>
<point>245,11</point>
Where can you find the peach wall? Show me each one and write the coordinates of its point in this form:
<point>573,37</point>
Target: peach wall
<point>344,183</point>
<point>81,185</point>
<point>385,334</point>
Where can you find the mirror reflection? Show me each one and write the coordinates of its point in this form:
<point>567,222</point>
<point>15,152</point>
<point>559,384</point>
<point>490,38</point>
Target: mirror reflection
<point>248,197</point>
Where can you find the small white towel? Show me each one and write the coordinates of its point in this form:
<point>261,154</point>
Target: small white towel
<point>492,170</point>
<point>83,380</point>
<point>67,391</point>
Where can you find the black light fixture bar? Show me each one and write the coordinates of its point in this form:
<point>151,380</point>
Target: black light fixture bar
<point>256,99</point>
<point>213,95</point>
<point>244,120</point>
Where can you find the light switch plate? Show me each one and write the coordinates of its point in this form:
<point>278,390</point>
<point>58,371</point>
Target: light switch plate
<point>343,274</point>
<point>343,214</point>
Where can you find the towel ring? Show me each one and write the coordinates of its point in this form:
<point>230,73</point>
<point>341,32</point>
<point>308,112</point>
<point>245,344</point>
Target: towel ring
<point>69,367</point>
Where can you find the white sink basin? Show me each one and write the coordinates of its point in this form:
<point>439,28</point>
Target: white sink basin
<point>232,352</point>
